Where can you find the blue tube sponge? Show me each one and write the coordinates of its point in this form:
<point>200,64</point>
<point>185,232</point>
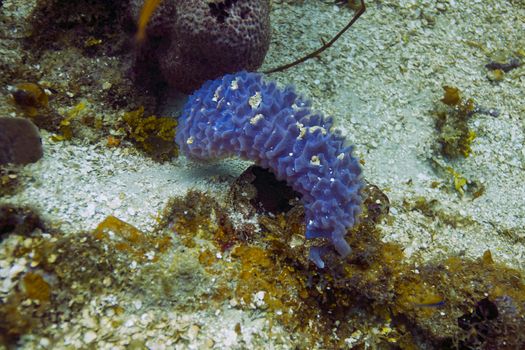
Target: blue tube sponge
<point>242,115</point>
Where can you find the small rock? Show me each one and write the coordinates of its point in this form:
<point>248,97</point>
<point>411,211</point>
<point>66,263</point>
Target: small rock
<point>44,342</point>
<point>208,344</point>
<point>115,203</point>
<point>258,298</point>
<point>17,268</point>
<point>137,304</point>
<point>20,141</point>
<point>52,258</point>
<point>496,75</point>
<point>193,331</point>
<point>89,337</point>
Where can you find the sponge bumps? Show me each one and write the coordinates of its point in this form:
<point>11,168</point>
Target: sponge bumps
<point>205,39</point>
<point>242,115</point>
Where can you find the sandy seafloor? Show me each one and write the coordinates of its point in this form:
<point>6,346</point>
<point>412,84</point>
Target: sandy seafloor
<point>380,82</point>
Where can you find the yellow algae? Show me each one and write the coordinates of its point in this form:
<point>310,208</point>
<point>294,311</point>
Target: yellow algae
<point>64,127</point>
<point>206,258</point>
<point>92,42</point>
<point>153,134</point>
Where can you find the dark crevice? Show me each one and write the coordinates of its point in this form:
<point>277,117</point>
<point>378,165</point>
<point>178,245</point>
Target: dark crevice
<point>19,221</point>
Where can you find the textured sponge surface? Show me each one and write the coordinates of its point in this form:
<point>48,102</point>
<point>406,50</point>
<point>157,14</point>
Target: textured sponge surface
<point>242,115</point>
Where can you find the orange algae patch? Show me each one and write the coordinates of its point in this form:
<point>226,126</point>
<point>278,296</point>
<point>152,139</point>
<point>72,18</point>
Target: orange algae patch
<point>206,258</point>
<point>251,256</point>
<point>112,141</point>
<point>127,238</point>
<point>454,282</point>
<point>36,287</point>
<point>145,15</point>
<point>282,287</point>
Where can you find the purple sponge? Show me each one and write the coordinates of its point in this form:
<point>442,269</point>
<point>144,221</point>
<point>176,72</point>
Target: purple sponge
<point>191,41</point>
<point>242,115</point>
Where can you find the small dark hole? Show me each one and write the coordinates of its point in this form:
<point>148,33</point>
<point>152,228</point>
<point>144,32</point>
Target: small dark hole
<point>219,10</point>
<point>245,13</point>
